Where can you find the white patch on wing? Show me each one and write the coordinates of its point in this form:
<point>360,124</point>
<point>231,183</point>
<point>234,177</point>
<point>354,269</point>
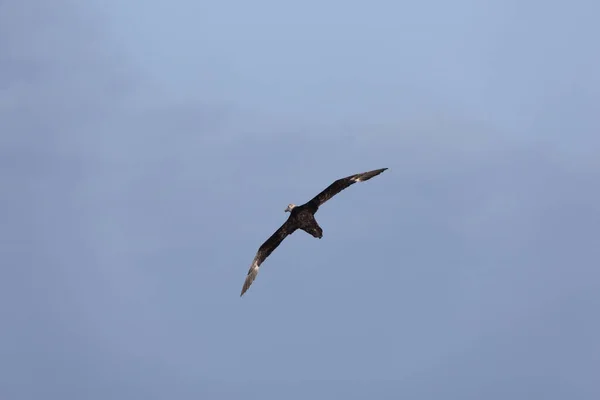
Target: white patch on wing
<point>250,277</point>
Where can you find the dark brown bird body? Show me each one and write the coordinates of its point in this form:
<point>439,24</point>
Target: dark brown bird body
<point>302,217</point>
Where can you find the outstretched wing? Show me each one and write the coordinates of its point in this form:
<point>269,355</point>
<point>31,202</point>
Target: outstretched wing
<point>340,185</point>
<point>266,249</point>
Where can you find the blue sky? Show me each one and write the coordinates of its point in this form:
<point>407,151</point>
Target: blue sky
<point>148,148</point>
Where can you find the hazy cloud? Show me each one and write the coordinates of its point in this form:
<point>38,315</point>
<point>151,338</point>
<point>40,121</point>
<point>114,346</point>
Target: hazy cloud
<point>144,163</point>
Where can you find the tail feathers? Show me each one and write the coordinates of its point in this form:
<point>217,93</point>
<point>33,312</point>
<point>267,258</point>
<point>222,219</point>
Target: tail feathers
<point>250,278</point>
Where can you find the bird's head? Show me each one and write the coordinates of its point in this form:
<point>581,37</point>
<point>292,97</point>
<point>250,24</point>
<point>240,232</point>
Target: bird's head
<point>290,207</point>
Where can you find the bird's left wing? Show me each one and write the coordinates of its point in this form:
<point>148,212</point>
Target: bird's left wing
<point>266,249</point>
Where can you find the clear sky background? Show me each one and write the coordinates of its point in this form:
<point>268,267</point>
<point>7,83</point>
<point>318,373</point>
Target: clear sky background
<point>147,148</point>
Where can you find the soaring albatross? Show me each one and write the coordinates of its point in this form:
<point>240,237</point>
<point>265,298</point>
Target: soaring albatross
<point>302,217</point>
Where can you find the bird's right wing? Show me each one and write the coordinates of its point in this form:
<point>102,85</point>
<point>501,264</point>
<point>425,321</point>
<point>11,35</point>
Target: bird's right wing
<point>340,185</point>
<point>266,249</point>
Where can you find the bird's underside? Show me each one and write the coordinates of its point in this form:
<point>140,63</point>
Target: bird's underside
<point>302,217</point>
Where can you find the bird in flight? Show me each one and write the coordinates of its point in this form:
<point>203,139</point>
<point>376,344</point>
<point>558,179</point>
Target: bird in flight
<point>302,217</point>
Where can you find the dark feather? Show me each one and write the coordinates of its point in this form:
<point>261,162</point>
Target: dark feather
<point>266,249</point>
<point>302,217</point>
<point>340,185</point>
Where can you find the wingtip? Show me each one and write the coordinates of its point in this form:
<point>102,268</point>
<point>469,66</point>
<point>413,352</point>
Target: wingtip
<point>244,289</point>
<point>252,273</point>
